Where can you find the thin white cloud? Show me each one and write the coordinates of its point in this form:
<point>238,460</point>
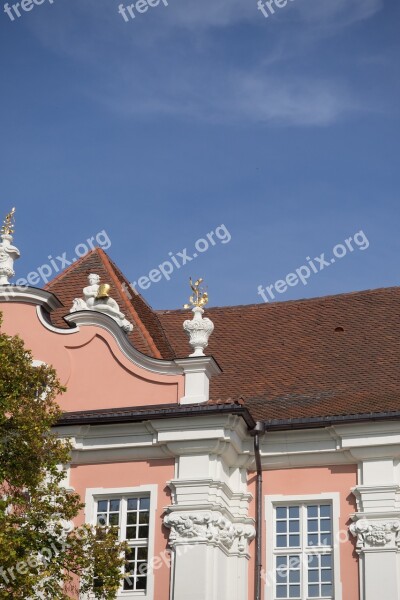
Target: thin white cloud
<point>190,74</point>
<point>293,101</point>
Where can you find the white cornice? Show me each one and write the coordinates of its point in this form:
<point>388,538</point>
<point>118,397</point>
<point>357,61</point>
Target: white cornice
<point>219,435</point>
<point>199,364</point>
<point>29,295</point>
<point>87,317</point>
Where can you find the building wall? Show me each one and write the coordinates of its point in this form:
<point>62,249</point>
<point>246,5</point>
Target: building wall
<point>313,481</point>
<point>132,474</point>
<point>90,364</point>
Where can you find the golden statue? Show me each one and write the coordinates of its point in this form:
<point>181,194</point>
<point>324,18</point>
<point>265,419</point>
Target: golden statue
<point>199,298</point>
<point>9,224</point>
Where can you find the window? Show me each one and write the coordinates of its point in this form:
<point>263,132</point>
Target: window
<point>132,516</point>
<point>301,549</point>
<point>132,511</point>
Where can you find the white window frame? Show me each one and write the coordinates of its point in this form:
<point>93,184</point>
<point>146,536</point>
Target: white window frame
<point>271,502</point>
<point>95,494</point>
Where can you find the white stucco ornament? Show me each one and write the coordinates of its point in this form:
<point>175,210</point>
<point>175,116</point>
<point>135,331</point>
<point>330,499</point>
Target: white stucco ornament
<point>198,329</point>
<point>210,527</point>
<point>8,252</point>
<point>96,297</point>
<point>375,533</point>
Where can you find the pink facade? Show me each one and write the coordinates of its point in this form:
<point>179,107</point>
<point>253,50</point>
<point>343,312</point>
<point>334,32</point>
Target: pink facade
<point>131,474</point>
<point>90,364</point>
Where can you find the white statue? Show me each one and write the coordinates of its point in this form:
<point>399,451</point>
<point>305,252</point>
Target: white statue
<point>89,293</point>
<point>96,297</point>
<point>8,252</point>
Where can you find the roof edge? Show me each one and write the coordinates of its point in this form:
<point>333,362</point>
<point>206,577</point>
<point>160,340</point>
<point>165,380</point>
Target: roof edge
<point>134,414</point>
<point>320,422</point>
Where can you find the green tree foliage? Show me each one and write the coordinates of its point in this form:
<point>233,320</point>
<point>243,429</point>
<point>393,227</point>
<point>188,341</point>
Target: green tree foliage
<point>41,554</point>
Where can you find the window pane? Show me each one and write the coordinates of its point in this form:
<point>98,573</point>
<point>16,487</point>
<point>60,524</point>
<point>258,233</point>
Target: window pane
<point>313,576</point>
<point>327,590</point>
<point>281,592</point>
<point>130,554</point>
<point>294,526</point>
<point>142,553</point>
<point>114,519</point>
<point>101,520</point>
<point>294,541</point>
<point>312,512</point>
<point>281,526</point>
<point>325,510</point>
<point>102,506</point>
<point>281,512</point>
<point>294,577</point>
<point>281,561</point>
<point>326,560</point>
<point>141,583</point>
<point>313,561</point>
<point>326,575</point>
<point>312,525</point>
<point>313,540</point>
<point>144,503</point>
<point>114,505</point>
<point>131,533</point>
<point>144,518</point>
<point>326,539</point>
<point>132,503</point>
<point>128,583</point>
<point>294,591</point>
<point>281,541</point>
<point>313,591</point>
<point>143,531</point>
<point>282,575</point>
<point>132,518</point>
<point>293,512</point>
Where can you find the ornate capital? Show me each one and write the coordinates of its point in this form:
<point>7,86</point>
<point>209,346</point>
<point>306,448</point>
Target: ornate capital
<point>376,534</point>
<point>209,527</point>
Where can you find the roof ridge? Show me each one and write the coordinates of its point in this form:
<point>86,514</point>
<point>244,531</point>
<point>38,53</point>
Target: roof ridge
<point>71,267</point>
<point>261,305</point>
<point>145,333</point>
<point>118,271</point>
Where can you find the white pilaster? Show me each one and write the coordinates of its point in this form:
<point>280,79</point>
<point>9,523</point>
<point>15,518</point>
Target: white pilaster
<point>198,372</point>
<point>209,525</point>
<point>377,525</point>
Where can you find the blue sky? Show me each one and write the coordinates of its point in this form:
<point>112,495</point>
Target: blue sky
<point>203,113</point>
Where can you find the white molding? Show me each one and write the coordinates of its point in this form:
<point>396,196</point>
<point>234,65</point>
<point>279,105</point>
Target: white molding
<point>45,322</point>
<point>222,435</point>
<point>93,494</point>
<point>155,365</point>
<point>270,502</point>
<point>333,445</point>
<point>29,295</point>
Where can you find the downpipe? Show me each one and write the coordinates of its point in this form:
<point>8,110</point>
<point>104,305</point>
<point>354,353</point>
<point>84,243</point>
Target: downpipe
<point>259,428</point>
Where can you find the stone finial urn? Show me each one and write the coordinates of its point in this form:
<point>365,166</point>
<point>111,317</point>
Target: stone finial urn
<point>8,252</point>
<point>198,329</point>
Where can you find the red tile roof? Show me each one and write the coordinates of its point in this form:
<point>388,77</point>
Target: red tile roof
<point>329,356</point>
<point>148,336</point>
<point>321,357</point>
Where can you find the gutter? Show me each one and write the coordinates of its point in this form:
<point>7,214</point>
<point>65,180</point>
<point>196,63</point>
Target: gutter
<point>315,422</point>
<point>135,415</point>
